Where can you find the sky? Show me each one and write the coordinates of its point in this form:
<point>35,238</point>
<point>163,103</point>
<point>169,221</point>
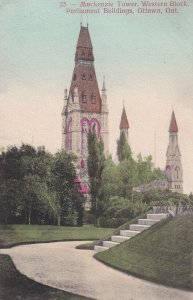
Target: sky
<point>147,61</point>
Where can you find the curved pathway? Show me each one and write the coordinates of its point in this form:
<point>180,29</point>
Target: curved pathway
<point>62,266</point>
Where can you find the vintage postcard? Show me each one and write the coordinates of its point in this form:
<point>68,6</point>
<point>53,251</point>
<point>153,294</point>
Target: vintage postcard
<point>111,83</point>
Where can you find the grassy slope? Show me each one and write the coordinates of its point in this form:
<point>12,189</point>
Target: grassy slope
<point>163,254</point>
<point>16,234</point>
<point>114,231</point>
<point>14,285</point>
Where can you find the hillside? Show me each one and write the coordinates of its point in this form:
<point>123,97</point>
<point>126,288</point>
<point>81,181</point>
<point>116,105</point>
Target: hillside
<point>162,254</point>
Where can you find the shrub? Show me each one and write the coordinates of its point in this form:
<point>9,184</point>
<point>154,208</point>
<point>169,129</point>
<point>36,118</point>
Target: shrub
<point>88,218</point>
<point>111,223</point>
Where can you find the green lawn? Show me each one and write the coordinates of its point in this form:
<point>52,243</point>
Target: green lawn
<point>14,285</point>
<point>163,254</point>
<point>16,234</point>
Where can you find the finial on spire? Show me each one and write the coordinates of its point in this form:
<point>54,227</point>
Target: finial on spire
<point>104,85</point>
<point>123,103</point>
<point>87,21</point>
<point>81,21</point>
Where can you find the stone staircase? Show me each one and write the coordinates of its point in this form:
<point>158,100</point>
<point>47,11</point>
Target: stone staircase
<point>134,229</point>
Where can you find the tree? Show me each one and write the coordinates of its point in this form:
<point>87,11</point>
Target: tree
<point>69,209</point>
<point>127,174</point>
<point>95,162</point>
<point>37,187</point>
<point>123,149</point>
<point>110,180</point>
<point>34,195</point>
<point>145,173</point>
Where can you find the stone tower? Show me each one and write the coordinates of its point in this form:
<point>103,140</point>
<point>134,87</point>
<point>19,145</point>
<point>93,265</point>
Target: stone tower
<point>124,124</point>
<point>84,108</point>
<point>173,170</point>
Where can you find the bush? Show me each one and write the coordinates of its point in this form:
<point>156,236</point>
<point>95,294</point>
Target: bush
<point>88,218</point>
<point>111,223</point>
<point>70,220</point>
<point>122,209</point>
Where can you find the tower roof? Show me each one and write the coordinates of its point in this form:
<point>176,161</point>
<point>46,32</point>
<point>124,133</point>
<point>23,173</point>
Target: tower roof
<point>173,124</point>
<point>84,46</point>
<point>84,38</point>
<point>84,77</point>
<point>124,124</point>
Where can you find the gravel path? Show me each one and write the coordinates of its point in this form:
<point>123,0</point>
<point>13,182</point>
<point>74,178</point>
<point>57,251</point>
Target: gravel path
<point>62,266</point>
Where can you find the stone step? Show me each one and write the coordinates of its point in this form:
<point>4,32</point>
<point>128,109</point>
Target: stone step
<point>147,221</point>
<point>100,248</point>
<point>109,244</point>
<point>156,216</point>
<point>139,227</point>
<point>119,238</point>
<point>129,233</point>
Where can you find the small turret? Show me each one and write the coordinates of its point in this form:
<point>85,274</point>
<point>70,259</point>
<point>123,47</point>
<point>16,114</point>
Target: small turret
<point>65,102</point>
<point>124,124</point>
<point>104,97</point>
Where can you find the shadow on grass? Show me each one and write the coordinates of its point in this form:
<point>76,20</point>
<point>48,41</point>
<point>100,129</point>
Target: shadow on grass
<point>15,285</point>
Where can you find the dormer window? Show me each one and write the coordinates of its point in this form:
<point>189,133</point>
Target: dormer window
<point>90,77</point>
<point>83,77</point>
<point>83,98</point>
<point>93,99</point>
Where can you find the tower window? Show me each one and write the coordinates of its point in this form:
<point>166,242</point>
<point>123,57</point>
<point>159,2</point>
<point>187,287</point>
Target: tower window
<point>82,163</point>
<point>93,99</point>
<point>83,77</point>
<point>83,98</point>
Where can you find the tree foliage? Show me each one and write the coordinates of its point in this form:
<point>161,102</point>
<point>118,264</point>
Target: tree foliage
<point>123,148</point>
<point>95,162</point>
<point>37,187</point>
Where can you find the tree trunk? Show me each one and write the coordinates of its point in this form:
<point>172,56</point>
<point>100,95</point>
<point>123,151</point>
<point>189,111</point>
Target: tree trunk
<point>59,220</point>
<point>29,218</point>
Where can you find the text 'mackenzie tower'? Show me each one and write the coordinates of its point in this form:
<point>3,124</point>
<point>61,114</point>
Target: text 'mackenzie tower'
<point>85,109</point>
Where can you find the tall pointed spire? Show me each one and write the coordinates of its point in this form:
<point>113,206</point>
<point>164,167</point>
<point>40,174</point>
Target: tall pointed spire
<point>173,124</point>
<point>84,49</point>
<point>173,169</point>
<point>84,77</point>
<point>124,124</point>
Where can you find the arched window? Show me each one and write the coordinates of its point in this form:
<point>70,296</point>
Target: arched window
<point>83,77</point>
<point>85,126</point>
<point>177,170</point>
<point>93,99</point>
<point>82,164</point>
<point>84,100</point>
<point>94,125</point>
